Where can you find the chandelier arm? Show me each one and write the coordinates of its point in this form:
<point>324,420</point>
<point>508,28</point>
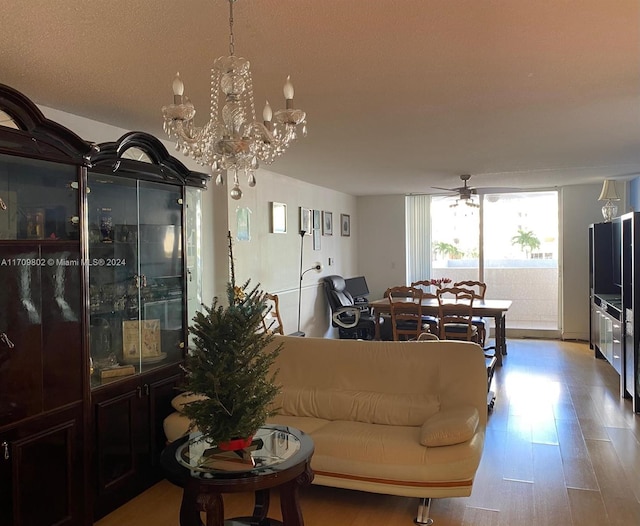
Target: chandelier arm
<point>189,135</point>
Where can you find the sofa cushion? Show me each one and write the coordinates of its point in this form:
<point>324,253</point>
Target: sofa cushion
<point>451,426</point>
<point>393,453</point>
<point>359,406</point>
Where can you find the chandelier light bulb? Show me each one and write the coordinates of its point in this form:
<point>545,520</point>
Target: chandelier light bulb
<point>288,89</point>
<point>267,113</point>
<point>178,85</point>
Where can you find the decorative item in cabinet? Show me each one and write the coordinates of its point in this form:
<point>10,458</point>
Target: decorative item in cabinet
<point>106,225</point>
<point>34,218</point>
<point>141,342</point>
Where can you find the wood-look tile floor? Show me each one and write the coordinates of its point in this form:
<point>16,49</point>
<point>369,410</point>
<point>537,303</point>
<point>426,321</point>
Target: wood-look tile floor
<point>562,449</point>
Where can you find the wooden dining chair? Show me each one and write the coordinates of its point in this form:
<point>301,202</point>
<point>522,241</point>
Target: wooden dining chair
<point>428,292</point>
<point>478,288</point>
<point>455,308</point>
<point>405,306</point>
<point>271,321</point>
<point>455,314</point>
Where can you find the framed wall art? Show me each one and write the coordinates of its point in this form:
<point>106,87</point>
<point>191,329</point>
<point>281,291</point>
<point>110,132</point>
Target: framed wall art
<point>243,224</point>
<point>327,223</point>
<point>317,235</point>
<point>305,220</point>
<point>345,225</point>
<point>278,218</point>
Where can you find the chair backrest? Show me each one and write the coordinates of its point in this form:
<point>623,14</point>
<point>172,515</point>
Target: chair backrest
<point>337,294</point>
<point>479,288</point>
<point>428,288</point>
<point>405,306</point>
<point>455,313</point>
<point>271,321</point>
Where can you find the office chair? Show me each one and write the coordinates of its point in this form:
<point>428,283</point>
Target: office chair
<point>352,321</point>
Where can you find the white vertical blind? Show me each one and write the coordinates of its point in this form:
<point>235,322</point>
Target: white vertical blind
<point>418,237</point>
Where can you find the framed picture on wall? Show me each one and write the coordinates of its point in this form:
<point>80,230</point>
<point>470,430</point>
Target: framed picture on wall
<point>243,224</point>
<point>317,234</point>
<point>317,220</point>
<point>305,220</point>
<point>327,223</point>
<point>345,225</point>
<point>278,218</point>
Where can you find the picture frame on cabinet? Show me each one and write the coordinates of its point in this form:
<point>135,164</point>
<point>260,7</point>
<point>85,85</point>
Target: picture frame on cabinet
<point>327,223</point>
<point>345,225</point>
<point>278,218</point>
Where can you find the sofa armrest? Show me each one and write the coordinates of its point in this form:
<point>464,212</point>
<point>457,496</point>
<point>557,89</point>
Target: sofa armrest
<point>450,426</point>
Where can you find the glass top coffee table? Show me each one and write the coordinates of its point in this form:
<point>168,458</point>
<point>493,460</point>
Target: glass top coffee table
<point>278,457</point>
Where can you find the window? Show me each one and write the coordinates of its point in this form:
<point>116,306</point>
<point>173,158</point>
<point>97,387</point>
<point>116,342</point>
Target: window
<point>510,242</point>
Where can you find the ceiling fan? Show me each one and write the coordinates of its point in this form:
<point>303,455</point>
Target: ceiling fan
<point>466,193</point>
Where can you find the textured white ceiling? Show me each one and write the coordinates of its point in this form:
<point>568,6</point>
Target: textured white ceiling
<point>400,94</point>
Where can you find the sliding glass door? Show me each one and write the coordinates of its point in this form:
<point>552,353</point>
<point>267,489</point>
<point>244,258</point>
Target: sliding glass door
<point>509,241</point>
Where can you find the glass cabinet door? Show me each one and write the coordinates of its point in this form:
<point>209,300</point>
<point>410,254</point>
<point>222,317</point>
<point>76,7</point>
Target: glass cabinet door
<point>40,314</point>
<point>135,276</point>
<point>161,272</point>
<point>38,200</point>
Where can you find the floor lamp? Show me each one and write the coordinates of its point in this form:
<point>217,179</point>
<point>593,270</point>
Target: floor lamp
<point>317,267</point>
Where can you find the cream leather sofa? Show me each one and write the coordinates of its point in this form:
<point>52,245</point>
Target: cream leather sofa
<point>398,418</point>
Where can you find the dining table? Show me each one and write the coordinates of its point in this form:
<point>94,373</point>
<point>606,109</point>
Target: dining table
<point>484,308</point>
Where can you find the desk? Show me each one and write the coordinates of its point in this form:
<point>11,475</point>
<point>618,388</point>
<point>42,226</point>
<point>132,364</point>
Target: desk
<point>495,309</point>
<point>279,457</point>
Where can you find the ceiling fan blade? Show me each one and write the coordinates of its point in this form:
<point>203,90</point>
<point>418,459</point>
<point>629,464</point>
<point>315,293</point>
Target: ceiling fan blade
<point>497,190</point>
<point>447,189</point>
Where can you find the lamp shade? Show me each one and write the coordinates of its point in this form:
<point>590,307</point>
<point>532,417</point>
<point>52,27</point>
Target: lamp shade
<point>609,191</point>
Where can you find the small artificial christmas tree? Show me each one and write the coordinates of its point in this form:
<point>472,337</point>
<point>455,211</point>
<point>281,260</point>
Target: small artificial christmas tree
<point>230,365</point>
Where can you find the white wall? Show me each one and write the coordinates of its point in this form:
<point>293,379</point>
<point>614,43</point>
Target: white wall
<point>273,260</point>
<point>382,242</point>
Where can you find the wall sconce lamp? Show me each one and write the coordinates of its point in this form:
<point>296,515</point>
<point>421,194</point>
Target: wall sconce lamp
<point>317,267</point>
<point>609,194</point>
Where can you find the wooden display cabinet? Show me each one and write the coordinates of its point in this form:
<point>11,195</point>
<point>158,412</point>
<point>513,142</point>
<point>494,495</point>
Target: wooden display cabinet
<point>42,353</point>
<point>137,308</point>
<point>93,319</point>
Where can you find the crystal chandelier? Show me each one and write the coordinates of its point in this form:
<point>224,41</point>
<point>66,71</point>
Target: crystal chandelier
<point>232,142</point>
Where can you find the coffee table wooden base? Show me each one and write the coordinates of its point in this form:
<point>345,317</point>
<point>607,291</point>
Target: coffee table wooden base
<point>199,496</point>
<point>281,460</point>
